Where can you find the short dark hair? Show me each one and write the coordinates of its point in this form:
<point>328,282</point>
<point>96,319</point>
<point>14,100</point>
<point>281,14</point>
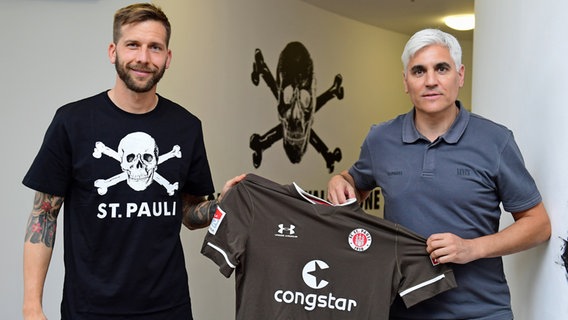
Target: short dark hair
<point>139,12</point>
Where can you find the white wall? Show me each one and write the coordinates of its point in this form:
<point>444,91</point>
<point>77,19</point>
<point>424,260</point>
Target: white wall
<point>520,57</point>
<point>55,51</point>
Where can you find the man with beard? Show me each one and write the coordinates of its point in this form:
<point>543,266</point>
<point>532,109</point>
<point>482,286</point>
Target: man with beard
<point>131,167</point>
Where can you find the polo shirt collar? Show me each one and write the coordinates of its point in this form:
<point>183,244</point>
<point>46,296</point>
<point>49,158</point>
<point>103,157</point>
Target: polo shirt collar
<point>410,134</point>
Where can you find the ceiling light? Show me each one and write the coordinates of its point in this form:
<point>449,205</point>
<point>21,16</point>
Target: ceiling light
<point>460,22</point>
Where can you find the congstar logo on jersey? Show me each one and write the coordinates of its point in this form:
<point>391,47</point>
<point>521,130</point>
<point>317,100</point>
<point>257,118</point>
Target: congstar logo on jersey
<point>314,275</point>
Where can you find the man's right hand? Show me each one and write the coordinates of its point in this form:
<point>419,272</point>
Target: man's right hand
<point>340,188</point>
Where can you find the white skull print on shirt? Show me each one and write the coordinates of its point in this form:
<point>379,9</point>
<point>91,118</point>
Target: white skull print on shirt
<point>138,156</point>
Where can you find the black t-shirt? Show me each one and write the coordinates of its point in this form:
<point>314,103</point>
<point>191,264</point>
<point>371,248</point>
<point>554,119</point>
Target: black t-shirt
<point>122,175</point>
<point>297,257</point>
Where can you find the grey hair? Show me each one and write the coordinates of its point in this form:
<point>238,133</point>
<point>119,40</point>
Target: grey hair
<point>428,37</point>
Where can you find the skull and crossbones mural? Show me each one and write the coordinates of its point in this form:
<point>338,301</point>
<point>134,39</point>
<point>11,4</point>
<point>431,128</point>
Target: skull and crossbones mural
<point>295,91</point>
<point>138,157</point>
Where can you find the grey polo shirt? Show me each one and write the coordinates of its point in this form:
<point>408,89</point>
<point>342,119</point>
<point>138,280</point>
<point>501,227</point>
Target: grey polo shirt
<point>453,184</point>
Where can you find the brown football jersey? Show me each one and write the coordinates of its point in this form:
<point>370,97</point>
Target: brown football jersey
<point>296,256</point>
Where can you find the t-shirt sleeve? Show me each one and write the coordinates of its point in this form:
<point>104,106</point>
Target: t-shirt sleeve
<point>421,278</point>
<point>226,238</point>
<point>50,171</point>
<point>199,181</point>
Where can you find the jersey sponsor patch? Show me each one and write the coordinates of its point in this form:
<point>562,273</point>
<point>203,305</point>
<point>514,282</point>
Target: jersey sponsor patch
<point>360,239</point>
<point>313,274</point>
<point>216,221</point>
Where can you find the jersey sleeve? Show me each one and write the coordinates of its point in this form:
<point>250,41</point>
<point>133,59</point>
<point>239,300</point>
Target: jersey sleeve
<point>226,238</point>
<point>421,278</point>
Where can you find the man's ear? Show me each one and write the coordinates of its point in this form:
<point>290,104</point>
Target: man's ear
<point>169,59</point>
<point>461,73</point>
<point>112,52</point>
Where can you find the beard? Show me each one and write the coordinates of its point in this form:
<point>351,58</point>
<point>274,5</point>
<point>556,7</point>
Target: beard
<point>131,83</point>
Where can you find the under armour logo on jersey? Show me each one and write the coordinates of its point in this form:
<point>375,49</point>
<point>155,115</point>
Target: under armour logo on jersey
<point>286,231</point>
<point>289,230</point>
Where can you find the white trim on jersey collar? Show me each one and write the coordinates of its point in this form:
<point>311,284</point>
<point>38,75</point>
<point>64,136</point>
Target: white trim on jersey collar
<point>315,200</point>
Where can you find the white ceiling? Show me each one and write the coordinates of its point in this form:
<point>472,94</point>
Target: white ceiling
<point>403,16</point>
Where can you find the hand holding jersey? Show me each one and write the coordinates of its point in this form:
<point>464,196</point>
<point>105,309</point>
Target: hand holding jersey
<point>298,257</point>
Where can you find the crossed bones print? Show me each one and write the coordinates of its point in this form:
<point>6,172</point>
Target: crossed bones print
<point>137,154</point>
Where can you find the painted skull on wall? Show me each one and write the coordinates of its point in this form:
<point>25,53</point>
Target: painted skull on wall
<point>296,102</point>
<point>295,91</point>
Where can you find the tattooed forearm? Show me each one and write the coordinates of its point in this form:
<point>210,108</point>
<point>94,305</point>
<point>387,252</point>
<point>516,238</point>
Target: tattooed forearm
<point>43,219</point>
<point>198,213</point>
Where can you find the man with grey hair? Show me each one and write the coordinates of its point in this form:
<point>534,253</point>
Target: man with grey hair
<point>444,172</point>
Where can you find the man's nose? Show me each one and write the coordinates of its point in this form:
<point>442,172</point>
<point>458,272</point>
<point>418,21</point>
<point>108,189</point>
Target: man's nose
<point>431,79</point>
<point>143,55</point>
